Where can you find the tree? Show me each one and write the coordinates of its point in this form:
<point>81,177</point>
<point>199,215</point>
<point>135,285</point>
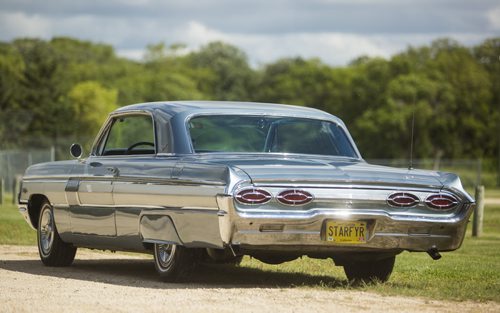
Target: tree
<point>91,103</point>
<point>471,108</point>
<point>50,90</point>
<point>307,83</point>
<point>385,131</point>
<point>231,78</point>
<point>12,115</point>
<point>488,55</point>
<point>41,93</point>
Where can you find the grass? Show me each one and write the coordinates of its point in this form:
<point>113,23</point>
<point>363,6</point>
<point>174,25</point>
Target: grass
<point>13,229</point>
<point>470,273</point>
<point>492,193</point>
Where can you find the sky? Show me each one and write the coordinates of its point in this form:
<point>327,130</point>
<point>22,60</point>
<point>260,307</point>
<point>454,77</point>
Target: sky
<point>336,31</point>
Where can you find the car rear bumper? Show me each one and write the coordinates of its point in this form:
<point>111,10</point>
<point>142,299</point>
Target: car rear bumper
<point>305,231</point>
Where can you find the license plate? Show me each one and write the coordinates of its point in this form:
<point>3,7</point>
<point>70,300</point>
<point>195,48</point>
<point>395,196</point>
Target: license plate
<point>346,232</point>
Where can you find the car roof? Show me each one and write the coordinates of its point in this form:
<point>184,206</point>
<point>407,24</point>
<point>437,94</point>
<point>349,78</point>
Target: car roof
<point>210,107</point>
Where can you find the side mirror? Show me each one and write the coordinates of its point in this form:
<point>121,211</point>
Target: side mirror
<point>76,151</point>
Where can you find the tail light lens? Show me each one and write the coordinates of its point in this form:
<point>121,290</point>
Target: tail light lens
<point>441,201</point>
<point>294,197</point>
<point>403,200</point>
<point>253,196</point>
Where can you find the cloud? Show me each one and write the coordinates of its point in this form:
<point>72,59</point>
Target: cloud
<point>331,47</point>
<point>19,24</point>
<point>336,31</point>
<point>196,33</point>
<point>494,18</point>
<point>133,54</point>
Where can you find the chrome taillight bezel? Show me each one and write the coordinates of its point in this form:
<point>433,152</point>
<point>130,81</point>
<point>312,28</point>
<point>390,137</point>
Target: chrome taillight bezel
<point>286,197</point>
<point>410,200</point>
<point>432,201</point>
<point>244,196</point>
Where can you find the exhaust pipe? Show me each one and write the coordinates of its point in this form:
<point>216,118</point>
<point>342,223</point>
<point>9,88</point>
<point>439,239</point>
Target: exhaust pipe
<point>433,252</point>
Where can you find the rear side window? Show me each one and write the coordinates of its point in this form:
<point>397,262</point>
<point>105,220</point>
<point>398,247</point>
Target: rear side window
<point>129,135</point>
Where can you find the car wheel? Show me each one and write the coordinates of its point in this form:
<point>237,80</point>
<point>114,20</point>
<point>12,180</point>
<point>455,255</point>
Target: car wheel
<point>172,262</point>
<point>369,271</point>
<point>53,251</point>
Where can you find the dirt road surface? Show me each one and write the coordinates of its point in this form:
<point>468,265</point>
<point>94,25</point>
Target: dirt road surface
<point>105,282</point>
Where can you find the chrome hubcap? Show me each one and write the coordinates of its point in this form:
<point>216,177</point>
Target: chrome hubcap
<point>46,230</point>
<point>165,255</point>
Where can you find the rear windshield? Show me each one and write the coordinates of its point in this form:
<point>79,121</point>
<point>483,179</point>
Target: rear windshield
<point>236,133</point>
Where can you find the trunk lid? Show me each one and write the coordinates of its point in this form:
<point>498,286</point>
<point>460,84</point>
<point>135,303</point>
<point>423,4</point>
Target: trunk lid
<point>298,170</point>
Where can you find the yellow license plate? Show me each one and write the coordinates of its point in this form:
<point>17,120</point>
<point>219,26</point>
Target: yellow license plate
<point>346,232</point>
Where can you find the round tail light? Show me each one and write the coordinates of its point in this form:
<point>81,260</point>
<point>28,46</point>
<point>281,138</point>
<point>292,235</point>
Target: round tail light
<point>441,201</point>
<point>403,200</point>
<point>294,197</point>
<point>253,196</point>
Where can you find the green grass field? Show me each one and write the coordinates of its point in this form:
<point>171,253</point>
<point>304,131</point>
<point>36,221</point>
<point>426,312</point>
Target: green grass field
<point>492,193</point>
<point>13,229</point>
<point>470,273</point>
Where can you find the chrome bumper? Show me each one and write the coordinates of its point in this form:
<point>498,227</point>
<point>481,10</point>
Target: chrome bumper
<point>23,209</point>
<point>304,230</point>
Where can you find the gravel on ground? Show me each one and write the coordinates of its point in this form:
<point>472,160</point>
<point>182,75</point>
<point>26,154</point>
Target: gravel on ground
<point>117,282</point>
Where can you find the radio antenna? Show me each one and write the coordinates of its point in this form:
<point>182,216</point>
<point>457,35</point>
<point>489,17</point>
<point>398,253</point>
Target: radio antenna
<point>410,166</point>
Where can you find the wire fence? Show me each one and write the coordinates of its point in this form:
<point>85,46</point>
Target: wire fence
<point>13,163</point>
<point>472,173</point>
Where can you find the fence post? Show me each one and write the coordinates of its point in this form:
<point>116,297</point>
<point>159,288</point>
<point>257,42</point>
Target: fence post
<point>1,190</point>
<point>52,153</point>
<point>477,222</point>
<point>479,169</point>
<point>15,188</point>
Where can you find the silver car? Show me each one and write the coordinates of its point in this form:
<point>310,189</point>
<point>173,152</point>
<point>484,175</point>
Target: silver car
<point>192,181</point>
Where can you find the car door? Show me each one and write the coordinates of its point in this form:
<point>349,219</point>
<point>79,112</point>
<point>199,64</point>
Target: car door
<point>141,184</point>
<point>127,137</point>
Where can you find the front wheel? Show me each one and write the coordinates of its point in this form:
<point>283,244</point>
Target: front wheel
<point>173,262</point>
<point>53,251</point>
<point>369,271</point>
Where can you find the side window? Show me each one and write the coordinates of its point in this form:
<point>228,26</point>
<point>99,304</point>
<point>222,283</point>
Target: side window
<point>130,135</point>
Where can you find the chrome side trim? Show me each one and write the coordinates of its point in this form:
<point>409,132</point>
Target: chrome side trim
<point>47,179</point>
<point>125,179</point>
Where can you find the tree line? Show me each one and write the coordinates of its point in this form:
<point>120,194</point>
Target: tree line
<point>56,91</point>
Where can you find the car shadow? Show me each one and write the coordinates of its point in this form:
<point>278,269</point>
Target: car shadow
<point>141,272</point>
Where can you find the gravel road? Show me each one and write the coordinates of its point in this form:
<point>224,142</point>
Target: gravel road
<point>104,282</point>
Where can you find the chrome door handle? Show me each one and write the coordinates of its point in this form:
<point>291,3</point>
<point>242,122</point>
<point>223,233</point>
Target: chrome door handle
<point>113,170</point>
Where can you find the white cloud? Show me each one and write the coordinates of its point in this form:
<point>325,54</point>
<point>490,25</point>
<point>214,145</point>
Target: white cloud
<point>195,33</point>
<point>494,18</point>
<point>333,48</point>
<point>130,35</point>
<point>19,24</point>
<point>133,54</point>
